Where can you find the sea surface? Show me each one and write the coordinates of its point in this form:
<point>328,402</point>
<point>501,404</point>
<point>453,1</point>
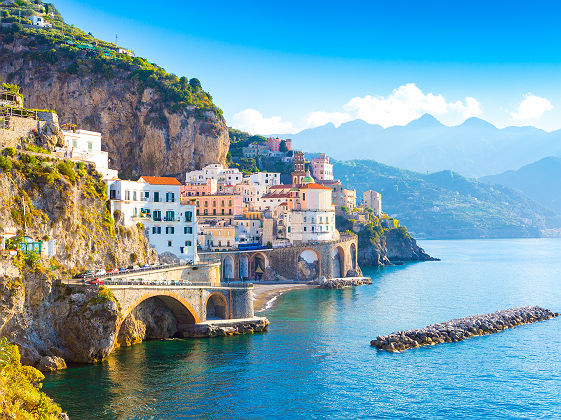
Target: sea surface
<point>316,360</point>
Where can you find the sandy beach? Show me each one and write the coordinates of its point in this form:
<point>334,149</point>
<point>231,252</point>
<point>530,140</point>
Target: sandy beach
<point>263,293</point>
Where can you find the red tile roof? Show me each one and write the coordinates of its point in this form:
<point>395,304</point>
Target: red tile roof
<point>160,180</point>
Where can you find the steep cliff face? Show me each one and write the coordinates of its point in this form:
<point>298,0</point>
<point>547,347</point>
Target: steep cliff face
<point>142,132</point>
<point>378,245</point>
<point>48,200</point>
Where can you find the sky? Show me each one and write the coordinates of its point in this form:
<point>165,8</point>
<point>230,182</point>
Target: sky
<point>281,67</point>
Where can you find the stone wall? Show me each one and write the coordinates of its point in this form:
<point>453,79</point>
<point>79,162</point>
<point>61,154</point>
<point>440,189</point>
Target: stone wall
<point>19,127</point>
<point>284,263</point>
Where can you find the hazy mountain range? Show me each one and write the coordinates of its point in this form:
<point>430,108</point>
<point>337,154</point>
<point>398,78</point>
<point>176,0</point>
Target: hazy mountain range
<point>447,205</point>
<point>474,148</point>
<point>541,181</point>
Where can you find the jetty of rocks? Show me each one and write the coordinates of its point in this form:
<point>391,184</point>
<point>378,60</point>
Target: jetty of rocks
<point>342,282</point>
<point>460,329</point>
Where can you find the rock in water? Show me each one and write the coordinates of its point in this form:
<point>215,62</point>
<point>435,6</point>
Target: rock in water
<point>460,329</point>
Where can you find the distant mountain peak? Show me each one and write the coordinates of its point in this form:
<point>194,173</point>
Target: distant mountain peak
<point>474,122</point>
<point>425,121</point>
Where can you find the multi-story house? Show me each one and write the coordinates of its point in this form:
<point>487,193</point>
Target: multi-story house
<point>322,170</point>
<point>230,176</point>
<point>170,226</point>
<point>86,145</point>
<point>218,205</point>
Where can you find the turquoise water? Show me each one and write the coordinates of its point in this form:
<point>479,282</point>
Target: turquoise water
<point>316,360</point>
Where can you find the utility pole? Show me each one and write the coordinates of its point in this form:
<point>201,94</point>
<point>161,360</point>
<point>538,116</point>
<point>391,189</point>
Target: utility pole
<point>116,39</point>
<point>19,15</point>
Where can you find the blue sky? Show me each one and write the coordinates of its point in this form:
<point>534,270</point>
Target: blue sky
<point>284,66</point>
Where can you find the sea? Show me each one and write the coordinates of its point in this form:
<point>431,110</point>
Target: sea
<point>316,360</point>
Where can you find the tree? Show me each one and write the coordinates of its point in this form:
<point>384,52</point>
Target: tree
<point>195,84</point>
<point>283,147</point>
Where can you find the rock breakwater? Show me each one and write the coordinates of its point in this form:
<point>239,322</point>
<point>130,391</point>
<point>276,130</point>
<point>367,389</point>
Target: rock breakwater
<point>227,328</point>
<point>460,329</point>
<point>340,283</point>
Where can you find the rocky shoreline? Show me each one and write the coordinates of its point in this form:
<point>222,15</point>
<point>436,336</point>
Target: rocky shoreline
<point>460,329</point>
<point>227,328</point>
<point>341,283</point>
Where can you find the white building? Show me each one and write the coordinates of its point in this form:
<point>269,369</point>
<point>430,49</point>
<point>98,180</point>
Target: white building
<point>86,146</point>
<point>373,200</point>
<point>40,21</point>
<point>248,230</point>
<point>214,171</point>
<point>155,202</point>
<point>313,219</point>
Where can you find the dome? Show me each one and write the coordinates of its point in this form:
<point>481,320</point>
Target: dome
<point>308,178</point>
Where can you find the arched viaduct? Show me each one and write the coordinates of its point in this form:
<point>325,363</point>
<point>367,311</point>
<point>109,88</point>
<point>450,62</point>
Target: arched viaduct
<point>299,262</point>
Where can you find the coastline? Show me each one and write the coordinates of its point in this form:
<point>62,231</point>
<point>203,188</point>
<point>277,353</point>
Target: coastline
<point>264,295</point>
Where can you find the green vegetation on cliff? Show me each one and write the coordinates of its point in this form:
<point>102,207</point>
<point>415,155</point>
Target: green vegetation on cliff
<point>20,388</point>
<point>90,55</point>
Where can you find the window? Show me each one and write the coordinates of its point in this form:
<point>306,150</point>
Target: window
<point>134,196</point>
<point>206,212</point>
<point>230,211</point>
<point>170,197</point>
<point>187,243</point>
<point>213,203</point>
<point>187,229</point>
<point>146,195</point>
<point>230,202</point>
<point>169,243</point>
<point>214,212</point>
<point>303,196</point>
<point>198,212</point>
<point>222,203</point>
<point>156,197</point>
<point>305,229</point>
<point>304,219</point>
<point>206,203</point>
<point>170,216</point>
<point>156,230</point>
<point>112,194</point>
<point>74,143</point>
<point>170,230</point>
<point>127,195</point>
<point>157,215</point>
<point>222,212</point>
<point>90,146</point>
<point>188,216</point>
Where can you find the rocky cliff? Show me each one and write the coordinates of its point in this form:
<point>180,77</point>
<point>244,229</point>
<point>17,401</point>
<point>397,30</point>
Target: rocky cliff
<point>144,131</point>
<point>45,200</point>
<point>381,241</point>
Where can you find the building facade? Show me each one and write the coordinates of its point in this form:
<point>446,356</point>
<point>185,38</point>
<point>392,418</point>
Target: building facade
<point>322,170</point>
<point>86,146</point>
<point>155,202</point>
<point>373,199</point>
<point>274,144</point>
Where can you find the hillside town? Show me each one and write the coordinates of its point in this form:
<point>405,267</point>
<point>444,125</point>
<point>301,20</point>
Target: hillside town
<point>214,209</point>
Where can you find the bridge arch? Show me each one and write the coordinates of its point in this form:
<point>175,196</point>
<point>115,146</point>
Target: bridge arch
<point>338,262</point>
<point>182,310</point>
<point>216,306</point>
<point>228,272</point>
<point>309,264</point>
<point>244,266</point>
<point>258,262</point>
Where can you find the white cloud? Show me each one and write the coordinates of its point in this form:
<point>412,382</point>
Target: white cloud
<point>532,107</point>
<point>402,105</point>
<point>254,122</point>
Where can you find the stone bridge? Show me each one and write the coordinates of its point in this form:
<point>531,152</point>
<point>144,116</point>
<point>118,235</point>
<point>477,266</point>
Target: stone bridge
<point>189,304</point>
<point>300,262</point>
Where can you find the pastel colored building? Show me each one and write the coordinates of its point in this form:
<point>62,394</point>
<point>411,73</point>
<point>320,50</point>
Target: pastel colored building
<point>155,202</point>
<point>274,144</point>
<point>217,237</point>
<point>218,205</point>
<point>189,190</point>
<point>322,170</point>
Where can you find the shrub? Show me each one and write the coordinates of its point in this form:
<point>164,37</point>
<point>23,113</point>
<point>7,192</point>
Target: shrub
<point>66,168</point>
<point>133,257</point>
<point>5,164</point>
<point>20,385</point>
<point>9,151</point>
